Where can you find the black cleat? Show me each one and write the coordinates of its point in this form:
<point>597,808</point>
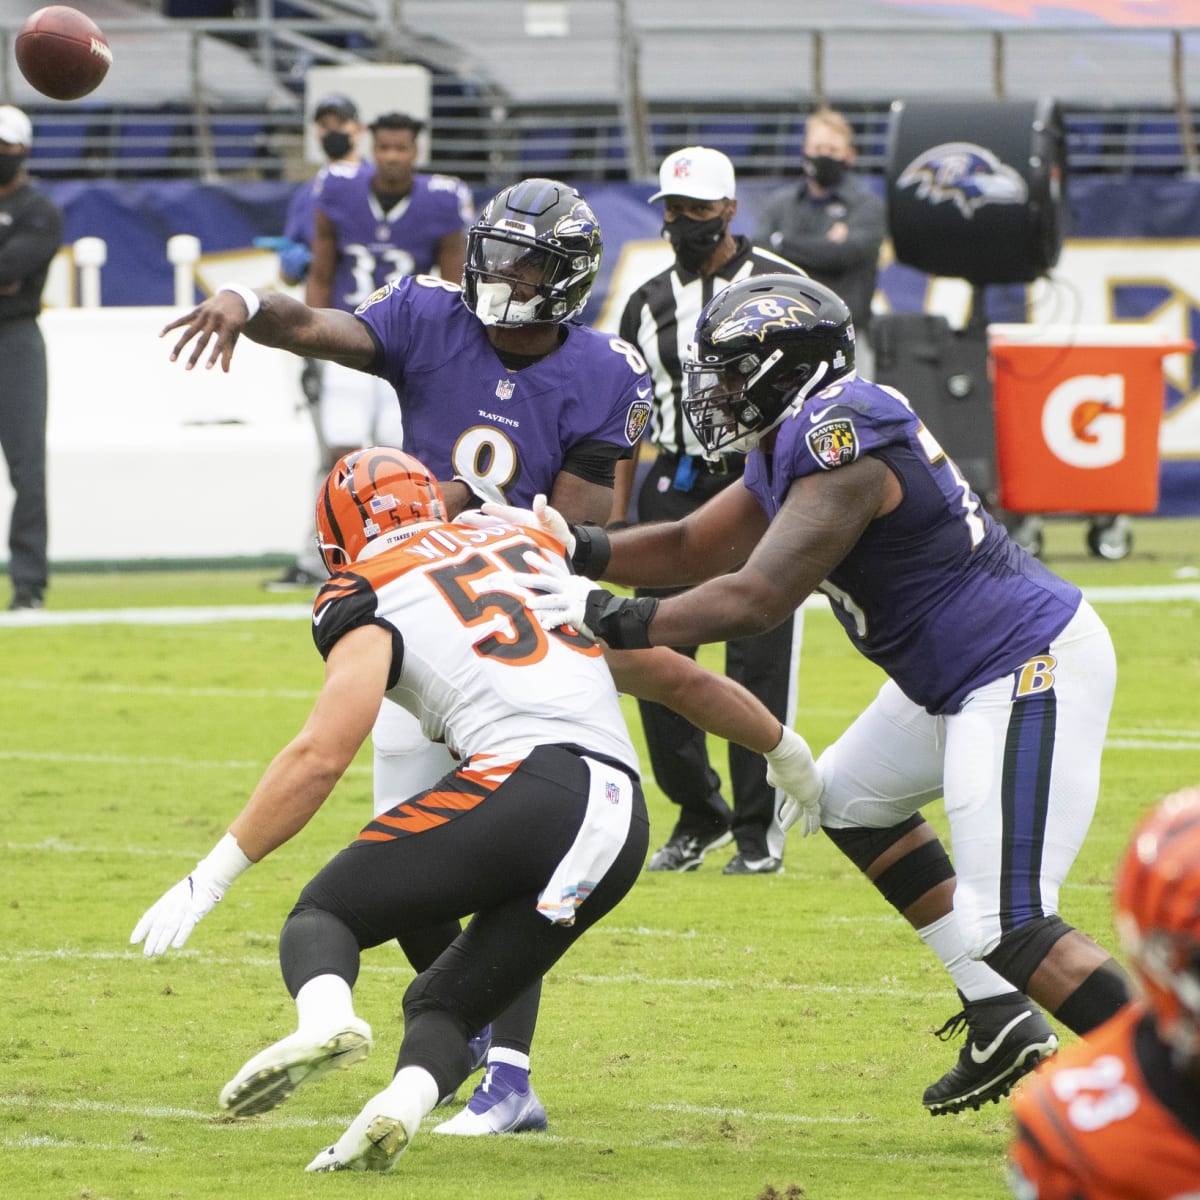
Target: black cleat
<point>1007,1036</point>
<point>686,851</point>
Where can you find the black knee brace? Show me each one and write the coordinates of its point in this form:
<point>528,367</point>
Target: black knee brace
<point>1021,952</point>
<point>863,846</point>
<point>1101,995</point>
<point>910,877</point>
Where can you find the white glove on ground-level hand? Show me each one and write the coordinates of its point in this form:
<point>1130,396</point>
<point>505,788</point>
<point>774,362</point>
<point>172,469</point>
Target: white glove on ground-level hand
<point>790,768</point>
<point>169,921</point>
<point>561,597</point>
<point>541,517</point>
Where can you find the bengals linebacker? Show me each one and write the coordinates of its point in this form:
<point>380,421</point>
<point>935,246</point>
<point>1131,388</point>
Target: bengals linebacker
<point>1117,1116</point>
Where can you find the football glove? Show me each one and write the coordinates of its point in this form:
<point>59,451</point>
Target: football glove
<point>294,257</point>
<point>563,598</point>
<point>541,517</point>
<point>170,920</point>
<point>790,768</point>
<point>482,492</point>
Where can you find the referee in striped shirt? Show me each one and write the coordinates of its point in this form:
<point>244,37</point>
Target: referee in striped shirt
<point>697,187</point>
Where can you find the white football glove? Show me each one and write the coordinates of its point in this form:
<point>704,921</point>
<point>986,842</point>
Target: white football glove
<point>790,767</point>
<point>541,517</point>
<point>561,596</point>
<point>168,922</point>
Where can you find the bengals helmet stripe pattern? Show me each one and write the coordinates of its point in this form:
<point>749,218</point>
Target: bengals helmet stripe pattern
<point>438,805</point>
<point>369,494</point>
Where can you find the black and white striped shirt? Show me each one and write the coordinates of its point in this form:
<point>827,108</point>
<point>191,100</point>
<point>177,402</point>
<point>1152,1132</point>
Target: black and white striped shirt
<point>660,320</point>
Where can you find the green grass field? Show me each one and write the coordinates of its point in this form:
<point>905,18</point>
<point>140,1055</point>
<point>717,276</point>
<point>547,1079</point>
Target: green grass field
<point>716,1037</point>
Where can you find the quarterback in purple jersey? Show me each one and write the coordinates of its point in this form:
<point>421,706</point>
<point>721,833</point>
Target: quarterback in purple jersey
<point>1001,676</point>
<point>579,409</point>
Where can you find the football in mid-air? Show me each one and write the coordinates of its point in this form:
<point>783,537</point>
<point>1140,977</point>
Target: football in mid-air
<point>62,52</point>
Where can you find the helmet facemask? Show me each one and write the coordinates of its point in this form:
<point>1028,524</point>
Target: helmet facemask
<point>532,257</point>
<point>515,282</point>
<point>763,346</point>
<point>733,405</point>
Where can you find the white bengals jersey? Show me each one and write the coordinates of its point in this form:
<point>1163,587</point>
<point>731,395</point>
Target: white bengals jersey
<point>471,662</point>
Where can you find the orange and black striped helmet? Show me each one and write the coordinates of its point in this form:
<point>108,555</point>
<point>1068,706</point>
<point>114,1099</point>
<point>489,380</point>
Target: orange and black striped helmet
<point>368,499</point>
<point>1158,915</point>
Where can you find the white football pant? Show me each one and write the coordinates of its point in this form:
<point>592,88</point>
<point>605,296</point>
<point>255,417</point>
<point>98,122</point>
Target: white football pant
<point>1018,765</point>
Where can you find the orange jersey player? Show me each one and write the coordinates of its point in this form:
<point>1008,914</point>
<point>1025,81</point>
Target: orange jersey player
<point>1117,1116</point>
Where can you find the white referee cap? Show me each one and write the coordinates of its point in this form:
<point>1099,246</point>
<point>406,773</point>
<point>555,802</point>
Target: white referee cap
<point>696,172</point>
<point>15,127</point>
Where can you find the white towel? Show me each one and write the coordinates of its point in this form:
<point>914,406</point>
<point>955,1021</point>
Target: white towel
<point>596,846</point>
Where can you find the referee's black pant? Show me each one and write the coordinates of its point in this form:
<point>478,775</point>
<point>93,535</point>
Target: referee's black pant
<point>764,665</point>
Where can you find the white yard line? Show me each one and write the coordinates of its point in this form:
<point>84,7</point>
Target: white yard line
<point>1151,593</point>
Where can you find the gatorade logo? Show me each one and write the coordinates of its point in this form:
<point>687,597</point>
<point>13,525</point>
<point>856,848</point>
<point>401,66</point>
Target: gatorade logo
<point>1083,421</point>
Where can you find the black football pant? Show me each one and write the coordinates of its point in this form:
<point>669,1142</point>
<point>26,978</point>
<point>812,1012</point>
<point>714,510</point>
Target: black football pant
<point>493,861</point>
<point>23,442</point>
<point>678,749</point>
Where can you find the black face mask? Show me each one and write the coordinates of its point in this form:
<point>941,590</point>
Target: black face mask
<point>693,241</point>
<point>824,171</point>
<point>336,144</point>
<point>10,166</point>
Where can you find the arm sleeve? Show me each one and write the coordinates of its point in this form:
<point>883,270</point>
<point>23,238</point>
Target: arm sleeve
<point>595,462</point>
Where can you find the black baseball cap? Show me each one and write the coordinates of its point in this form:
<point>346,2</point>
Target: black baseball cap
<point>336,105</point>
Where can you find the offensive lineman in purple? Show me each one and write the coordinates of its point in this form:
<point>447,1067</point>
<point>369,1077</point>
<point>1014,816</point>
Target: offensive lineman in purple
<point>937,573</point>
<point>581,407</point>
<point>1001,676</point>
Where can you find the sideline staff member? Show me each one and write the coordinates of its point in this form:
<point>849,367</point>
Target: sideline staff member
<point>832,224</point>
<point>697,186</point>
<point>30,235</point>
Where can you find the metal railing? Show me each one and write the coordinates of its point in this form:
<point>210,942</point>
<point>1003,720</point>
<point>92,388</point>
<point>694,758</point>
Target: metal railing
<point>484,134</point>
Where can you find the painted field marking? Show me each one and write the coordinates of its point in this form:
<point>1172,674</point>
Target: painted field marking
<point>41,618</point>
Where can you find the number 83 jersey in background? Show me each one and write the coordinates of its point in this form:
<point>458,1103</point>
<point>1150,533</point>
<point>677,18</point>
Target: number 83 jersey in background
<point>470,661</point>
<point>374,246</point>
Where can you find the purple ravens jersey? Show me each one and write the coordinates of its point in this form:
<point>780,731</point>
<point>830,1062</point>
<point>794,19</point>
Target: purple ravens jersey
<point>466,414</point>
<point>375,247</point>
<point>934,592</point>
<point>298,226</point>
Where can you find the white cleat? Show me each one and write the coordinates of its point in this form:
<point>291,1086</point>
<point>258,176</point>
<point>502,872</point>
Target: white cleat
<point>271,1076</point>
<point>374,1142</point>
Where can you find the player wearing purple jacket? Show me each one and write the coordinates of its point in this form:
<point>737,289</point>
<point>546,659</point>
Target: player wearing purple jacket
<point>1001,676</point>
<point>503,395</point>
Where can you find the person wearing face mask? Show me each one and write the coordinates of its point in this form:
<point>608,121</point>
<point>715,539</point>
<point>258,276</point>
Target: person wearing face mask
<point>30,235</point>
<point>697,188</point>
<point>832,224</point>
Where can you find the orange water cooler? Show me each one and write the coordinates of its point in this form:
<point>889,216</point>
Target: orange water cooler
<point>1077,411</point>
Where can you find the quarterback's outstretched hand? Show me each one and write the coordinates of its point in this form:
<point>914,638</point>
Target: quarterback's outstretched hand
<point>170,920</point>
<point>790,768</point>
<point>219,320</point>
<point>541,517</point>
